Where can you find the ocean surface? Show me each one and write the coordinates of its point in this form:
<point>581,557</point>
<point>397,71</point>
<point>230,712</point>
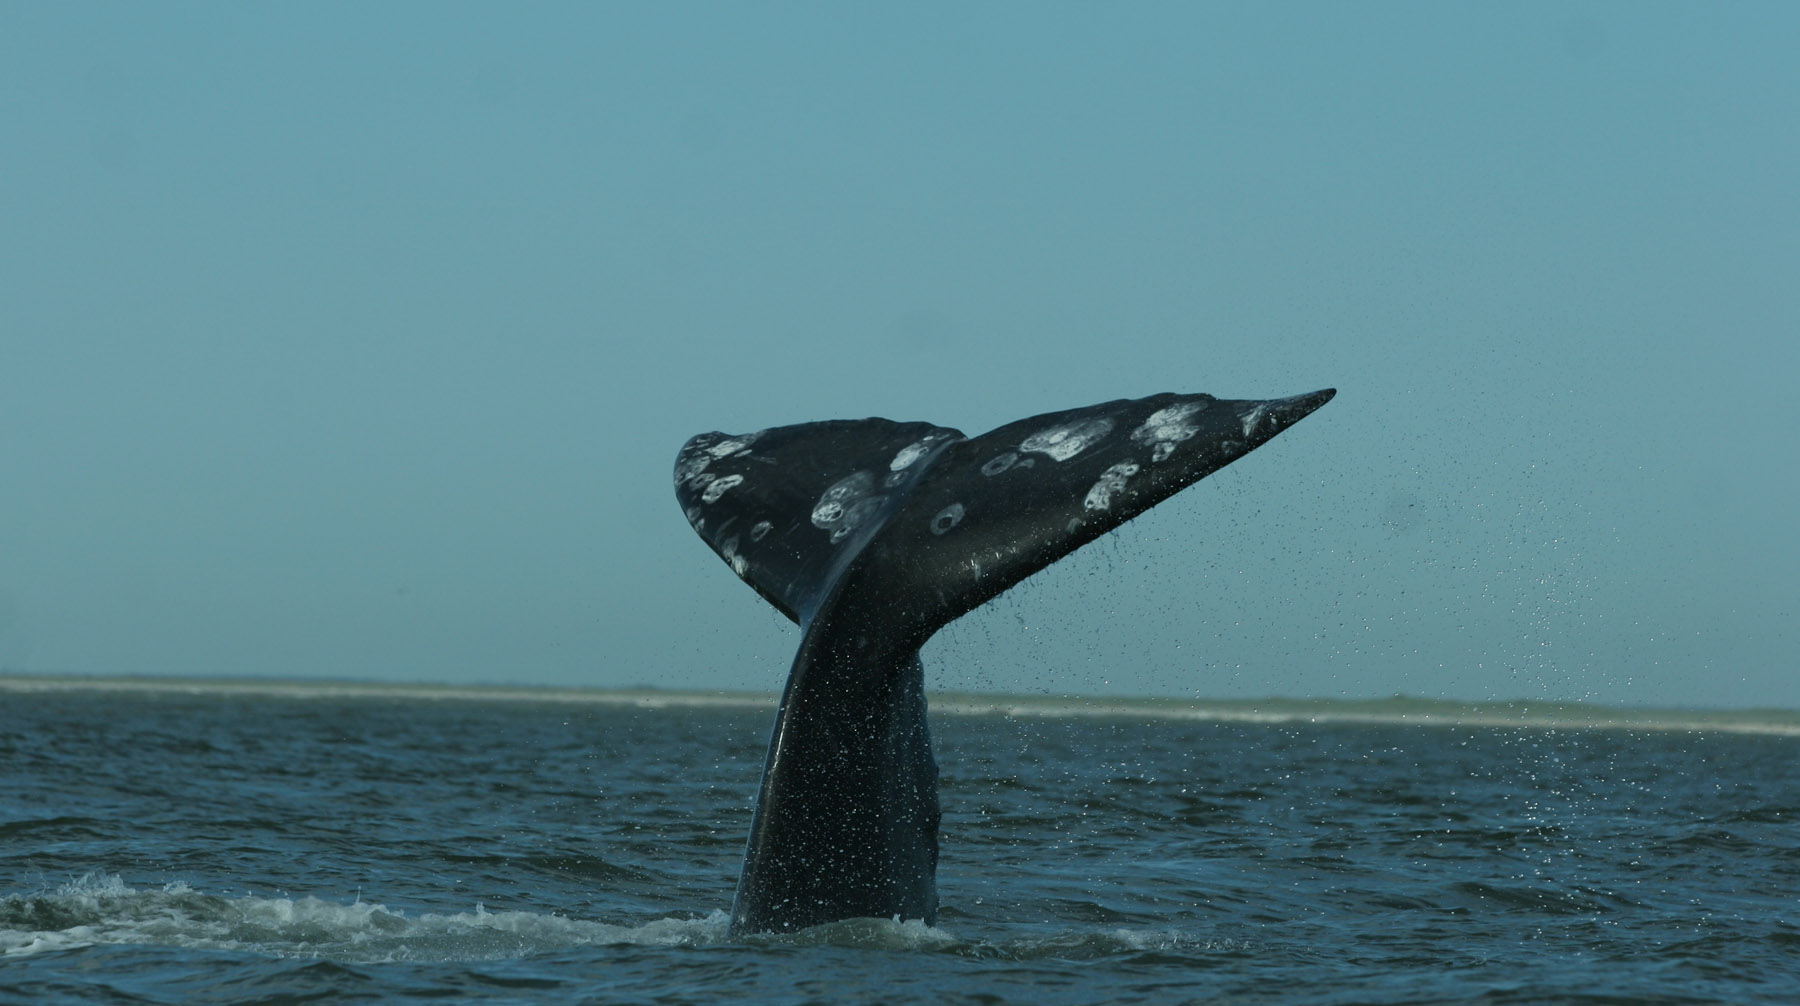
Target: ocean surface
<point>211,842</point>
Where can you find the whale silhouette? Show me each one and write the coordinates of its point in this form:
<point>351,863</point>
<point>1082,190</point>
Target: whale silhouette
<point>872,535</point>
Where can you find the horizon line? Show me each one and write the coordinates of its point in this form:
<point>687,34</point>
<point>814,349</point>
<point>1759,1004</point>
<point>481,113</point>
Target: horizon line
<point>1393,710</point>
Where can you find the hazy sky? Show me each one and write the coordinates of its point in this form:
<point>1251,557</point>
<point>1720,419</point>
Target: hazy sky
<point>358,340</point>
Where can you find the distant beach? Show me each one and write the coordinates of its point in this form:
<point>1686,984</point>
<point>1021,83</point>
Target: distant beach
<point>1394,711</point>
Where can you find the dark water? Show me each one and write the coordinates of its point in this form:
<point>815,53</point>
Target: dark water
<point>175,848</point>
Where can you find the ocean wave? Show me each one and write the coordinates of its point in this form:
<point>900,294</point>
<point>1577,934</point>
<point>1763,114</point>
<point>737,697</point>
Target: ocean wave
<point>101,909</point>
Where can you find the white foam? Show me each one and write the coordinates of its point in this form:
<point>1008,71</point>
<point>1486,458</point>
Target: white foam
<point>103,910</point>
<point>866,934</point>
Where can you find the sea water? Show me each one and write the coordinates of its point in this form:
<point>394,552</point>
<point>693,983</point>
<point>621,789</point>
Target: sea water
<point>218,843</point>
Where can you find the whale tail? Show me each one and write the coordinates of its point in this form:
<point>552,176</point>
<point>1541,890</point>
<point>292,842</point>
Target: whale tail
<point>872,535</point>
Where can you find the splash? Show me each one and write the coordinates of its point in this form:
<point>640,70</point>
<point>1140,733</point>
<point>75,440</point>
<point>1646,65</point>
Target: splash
<point>102,910</point>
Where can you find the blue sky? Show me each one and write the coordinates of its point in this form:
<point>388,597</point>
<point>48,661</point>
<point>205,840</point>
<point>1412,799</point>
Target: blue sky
<point>358,340</point>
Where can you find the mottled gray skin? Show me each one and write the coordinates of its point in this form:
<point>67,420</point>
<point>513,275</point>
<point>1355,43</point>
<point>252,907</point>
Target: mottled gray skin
<point>872,535</point>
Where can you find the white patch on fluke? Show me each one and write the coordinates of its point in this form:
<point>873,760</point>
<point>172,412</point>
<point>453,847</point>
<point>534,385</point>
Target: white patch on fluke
<point>854,517</point>
<point>735,445</point>
<point>1064,441</point>
<point>947,518</point>
<point>729,552</point>
<point>1167,427</point>
<point>1253,417</point>
<point>910,454</point>
<point>999,464</point>
<point>1111,481</point>
<point>762,528</point>
<point>692,470</point>
<point>695,459</point>
<point>847,503</point>
<point>717,487</point>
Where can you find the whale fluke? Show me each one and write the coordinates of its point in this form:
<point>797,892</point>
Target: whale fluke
<point>872,535</point>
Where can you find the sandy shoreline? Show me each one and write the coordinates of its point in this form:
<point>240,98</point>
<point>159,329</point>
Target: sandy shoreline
<point>1398,711</point>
